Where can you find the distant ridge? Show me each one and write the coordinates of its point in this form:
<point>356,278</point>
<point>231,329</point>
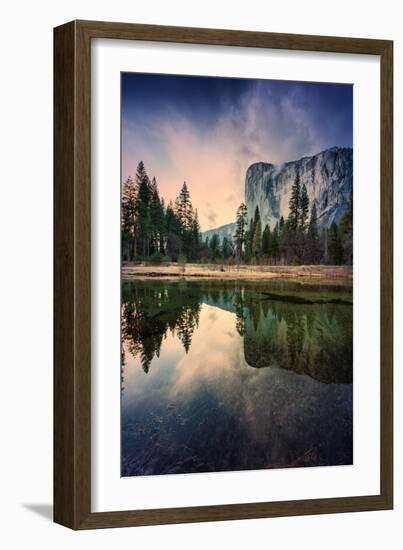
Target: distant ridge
<point>226,230</point>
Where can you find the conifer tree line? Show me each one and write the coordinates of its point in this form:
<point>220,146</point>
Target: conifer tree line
<point>153,230</point>
<point>156,231</point>
<point>296,240</point>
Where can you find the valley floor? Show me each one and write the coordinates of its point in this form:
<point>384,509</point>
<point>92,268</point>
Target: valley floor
<point>133,270</point>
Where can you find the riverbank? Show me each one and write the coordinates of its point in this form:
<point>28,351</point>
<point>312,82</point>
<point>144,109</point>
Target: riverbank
<point>172,270</point>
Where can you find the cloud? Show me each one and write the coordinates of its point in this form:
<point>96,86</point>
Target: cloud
<point>212,217</point>
<point>263,125</point>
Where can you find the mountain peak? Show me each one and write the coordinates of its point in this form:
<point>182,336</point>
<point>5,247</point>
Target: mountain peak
<point>328,177</point>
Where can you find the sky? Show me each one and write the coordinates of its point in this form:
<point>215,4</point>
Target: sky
<point>208,130</point>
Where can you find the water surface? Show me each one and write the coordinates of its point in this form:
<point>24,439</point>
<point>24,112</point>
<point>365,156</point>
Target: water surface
<point>230,375</point>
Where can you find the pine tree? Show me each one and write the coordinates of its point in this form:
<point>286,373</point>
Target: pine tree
<point>161,227</point>
<point>185,214</point>
<point>195,235</point>
<point>257,238</point>
<point>313,244</point>
<point>171,222</point>
<point>346,234</point>
<point>248,241</point>
<point>266,241</point>
<point>282,237</point>
<point>294,204</point>
<point>184,209</point>
<point>144,193</point>
<point>256,217</point>
<point>275,244</point>
<point>303,208</point>
<point>143,184</point>
<point>157,218</point>
<point>226,248</point>
<point>174,243</point>
<point>215,246</point>
<point>240,232</point>
<point>335,248</point>
<point>254,242</point>
<point>128,219</point>
<point>295,241</point>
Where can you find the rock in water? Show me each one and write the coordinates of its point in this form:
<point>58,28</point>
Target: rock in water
<point>328,177</point>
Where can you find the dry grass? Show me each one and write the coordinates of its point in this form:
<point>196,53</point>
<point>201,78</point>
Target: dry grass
<point>201,271</point>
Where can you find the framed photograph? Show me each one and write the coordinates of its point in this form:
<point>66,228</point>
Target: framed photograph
<point>222,275</point>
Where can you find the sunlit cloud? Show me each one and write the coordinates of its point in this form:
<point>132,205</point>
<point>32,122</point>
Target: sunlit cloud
<point>213,156</point>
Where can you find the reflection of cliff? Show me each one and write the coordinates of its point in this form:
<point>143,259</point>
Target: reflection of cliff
<point>307,338</point>
<point>311,339</point>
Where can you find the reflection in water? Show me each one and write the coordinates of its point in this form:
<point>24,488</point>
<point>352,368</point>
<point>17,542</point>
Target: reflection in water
<point>221,375</point>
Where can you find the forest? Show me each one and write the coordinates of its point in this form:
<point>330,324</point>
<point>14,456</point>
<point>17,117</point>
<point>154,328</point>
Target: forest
<point>155,231</point>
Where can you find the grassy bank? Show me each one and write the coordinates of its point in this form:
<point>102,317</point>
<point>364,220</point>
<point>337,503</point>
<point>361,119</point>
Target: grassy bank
<point>189,271</point>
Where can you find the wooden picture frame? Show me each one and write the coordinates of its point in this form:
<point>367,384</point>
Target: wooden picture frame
<point>72,270</point>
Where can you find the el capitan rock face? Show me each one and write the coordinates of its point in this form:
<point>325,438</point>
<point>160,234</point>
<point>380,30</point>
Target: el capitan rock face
<point>328,177</point>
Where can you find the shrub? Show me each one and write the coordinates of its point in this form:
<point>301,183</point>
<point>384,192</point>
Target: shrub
<point>294,260</point>
<point>156,258</point>
<point>182,259</point>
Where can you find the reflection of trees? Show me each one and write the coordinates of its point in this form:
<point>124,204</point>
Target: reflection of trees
<point>334,332</point>
<point>141,333</point>
<point>122,369</point>
<point>239,311</point>
<point>149,312</point>
<point>310,320</point>
<point>254,311</point>
<point>186,324</point>
<point>295,321</point>
<point>312,339</point>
